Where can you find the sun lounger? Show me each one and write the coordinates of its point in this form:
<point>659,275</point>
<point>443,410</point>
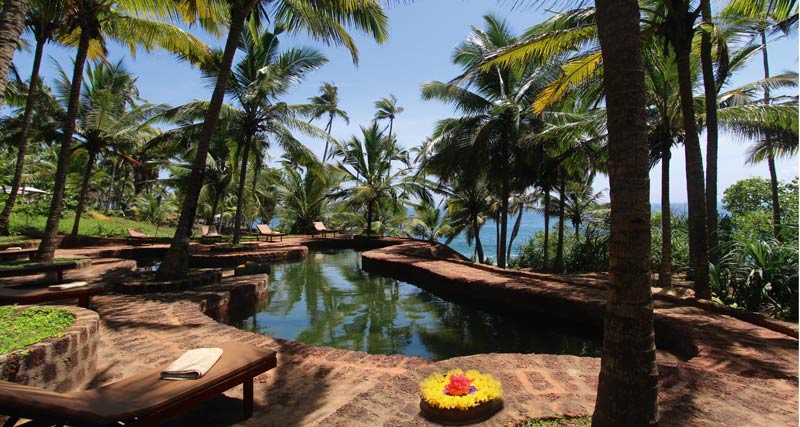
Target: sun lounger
<point>83,294</point>
<point>210,232</point>
<point>319,228</point>
<point>264,230</point>
<point>16,254</point>
<point>136,236</point>
<point>140,400</point>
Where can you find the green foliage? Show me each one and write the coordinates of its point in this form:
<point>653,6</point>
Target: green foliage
<point>750,203</point>
<point>102,226</point>
<point>24,327</point>
<point>680,241</point>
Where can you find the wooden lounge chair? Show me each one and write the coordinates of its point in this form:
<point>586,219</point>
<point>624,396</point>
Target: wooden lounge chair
<point>264,230</point>
<point>319,228</point>
<point>142,399</point>
<point>136,236</point>
<point>210,232</point>
<point>83,294</point>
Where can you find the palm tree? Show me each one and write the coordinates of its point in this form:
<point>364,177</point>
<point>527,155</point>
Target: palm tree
<point>322,23</point>
<point>777,16</point>
<point>108,119</point>
<point>387,109</point>
<point>89,22</point>
<point>496,115</point>
<point>258,80</point>
<point>303,194</point>
<point>581,199</point>
<point>627,392</point>
<point>367,165</point>
<point>327,102</point>
<point>154,209</point>
<point>712,131</point>
<point>12,21</point>
<point>42,20</point>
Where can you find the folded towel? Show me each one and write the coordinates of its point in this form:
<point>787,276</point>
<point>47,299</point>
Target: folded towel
<point>192,365</point>
<point>14,248</point>
<point>65,286</point>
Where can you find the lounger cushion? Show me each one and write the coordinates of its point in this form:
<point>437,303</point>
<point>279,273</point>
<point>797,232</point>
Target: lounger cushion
<point>135,396</point>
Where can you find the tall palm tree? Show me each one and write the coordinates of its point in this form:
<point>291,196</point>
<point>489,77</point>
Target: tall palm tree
<point>109,119</point>
<point>327,103</point>
<point>627,392</point>
<point>12,21</point>
<point>258,80</point>
<point>367,165</point>
<point>42,20</point>
<point>496,115</point>
<point>88,24</point>
<point>388,110</point>
<point>325,23</point>
<point>763,17</point>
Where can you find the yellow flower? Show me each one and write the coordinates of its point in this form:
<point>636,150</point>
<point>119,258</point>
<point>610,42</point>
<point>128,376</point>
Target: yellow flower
<point>486,388</point>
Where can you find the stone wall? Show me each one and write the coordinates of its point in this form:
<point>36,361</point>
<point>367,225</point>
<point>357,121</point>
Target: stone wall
<point>59,364</point>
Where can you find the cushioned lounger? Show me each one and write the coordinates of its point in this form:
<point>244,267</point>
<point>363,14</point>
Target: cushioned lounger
<point>143,399</point>
<point>83,294</point>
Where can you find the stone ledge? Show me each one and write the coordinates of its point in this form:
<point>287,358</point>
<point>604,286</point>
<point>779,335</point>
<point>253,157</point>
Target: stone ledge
<point>59,364</point>
<point>195,280</point>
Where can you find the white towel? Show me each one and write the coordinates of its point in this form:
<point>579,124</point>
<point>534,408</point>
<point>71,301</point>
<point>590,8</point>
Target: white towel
<point>65,286</point>
<point>14,248</point>
<point>192,365</point>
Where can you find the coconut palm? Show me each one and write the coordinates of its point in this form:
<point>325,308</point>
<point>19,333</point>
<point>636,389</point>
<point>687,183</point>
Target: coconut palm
<point>88,24</point>
<point>325,23</point>
<point>387,110</point>
<point>108,120</point>
<point>12,21</point>
<point>303,193</point>
<point>327,103</point>
<point>367,166</point>
<point>42,20</point>
<point>430,223</point>
<point>259,79</point>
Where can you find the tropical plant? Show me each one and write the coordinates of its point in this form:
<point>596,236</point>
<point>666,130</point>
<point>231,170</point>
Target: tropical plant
<point>327,24</point>
<point>303,194</point>
<point>430,223</point>
<point>327,103</point>
<point>88,24</point>
<point>12,21</point>
<point>155,209</point>
<point>388,110</point>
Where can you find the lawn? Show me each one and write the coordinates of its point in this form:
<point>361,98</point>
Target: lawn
<point>92,224</point>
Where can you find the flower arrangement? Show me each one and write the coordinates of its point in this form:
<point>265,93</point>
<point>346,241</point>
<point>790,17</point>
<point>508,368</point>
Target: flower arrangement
<point>459,390</point>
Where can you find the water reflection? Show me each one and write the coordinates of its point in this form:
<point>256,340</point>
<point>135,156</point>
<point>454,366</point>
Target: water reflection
<point>328,300</point>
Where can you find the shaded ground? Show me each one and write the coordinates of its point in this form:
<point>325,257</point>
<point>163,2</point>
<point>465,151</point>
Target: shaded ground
<point>743,374</point>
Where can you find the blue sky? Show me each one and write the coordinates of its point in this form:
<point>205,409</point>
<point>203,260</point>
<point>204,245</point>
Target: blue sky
<point>422,36</point>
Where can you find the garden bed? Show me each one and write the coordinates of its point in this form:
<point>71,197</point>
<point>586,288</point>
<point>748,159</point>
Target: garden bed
<point>61,358</point>
<point>145,283</point>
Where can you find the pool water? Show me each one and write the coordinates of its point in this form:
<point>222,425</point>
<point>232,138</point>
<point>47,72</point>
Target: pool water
<point>328,300</point>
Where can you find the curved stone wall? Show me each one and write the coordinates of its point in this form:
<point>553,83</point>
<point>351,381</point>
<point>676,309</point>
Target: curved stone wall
<point>61,363</point>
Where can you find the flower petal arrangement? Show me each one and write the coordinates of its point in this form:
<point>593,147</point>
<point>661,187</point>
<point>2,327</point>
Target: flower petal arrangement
<point>459,390</point>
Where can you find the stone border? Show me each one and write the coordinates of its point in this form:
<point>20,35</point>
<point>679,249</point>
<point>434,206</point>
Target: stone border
<point>59,364</point>
<point>231,260</point>
<point>198,278</point>
<point>24,244</point>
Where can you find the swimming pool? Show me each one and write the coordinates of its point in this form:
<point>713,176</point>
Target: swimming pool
<point>328,300</point>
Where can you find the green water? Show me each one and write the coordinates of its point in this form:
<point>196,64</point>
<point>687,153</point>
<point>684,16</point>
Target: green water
<point>328,300</point>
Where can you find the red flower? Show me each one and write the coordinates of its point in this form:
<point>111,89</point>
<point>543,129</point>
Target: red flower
<point>459,385</point>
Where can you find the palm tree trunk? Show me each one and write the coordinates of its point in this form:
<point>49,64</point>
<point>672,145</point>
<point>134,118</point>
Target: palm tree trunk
<point>627,391</point>
<point>773,176</point>
<point>22,144</point>
<point>237,229</point>
<point>369,219</point>
<point>47,247</point>
<point>515,231</point>
<point>665,270</point>
<point>478,245</point>
<point>328,128</point>
<point>176,260</point>
<point>712,135</point>
<point>559,263</point>
<point>546,255</point>
<point>111,184</point>
<point>698,242</point>
<point>501,244</point>
<point>12,20</point>
<point>87,177</point>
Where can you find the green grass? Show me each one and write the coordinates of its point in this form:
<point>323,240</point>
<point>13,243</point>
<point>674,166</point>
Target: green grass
<point>92,224</point>
<point>24,327</point>
<point>7,240</point>
<point>557,422</point>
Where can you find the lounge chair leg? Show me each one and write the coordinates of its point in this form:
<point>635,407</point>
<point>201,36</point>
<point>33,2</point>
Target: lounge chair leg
<point>247,397</point>
<point>83,301</point>
<point>10,422</point>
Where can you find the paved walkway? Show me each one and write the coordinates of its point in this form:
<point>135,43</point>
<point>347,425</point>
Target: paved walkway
<point>743,374</point>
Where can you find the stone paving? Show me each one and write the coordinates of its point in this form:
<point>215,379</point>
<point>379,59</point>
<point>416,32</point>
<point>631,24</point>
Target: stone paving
<point>742,375</point>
